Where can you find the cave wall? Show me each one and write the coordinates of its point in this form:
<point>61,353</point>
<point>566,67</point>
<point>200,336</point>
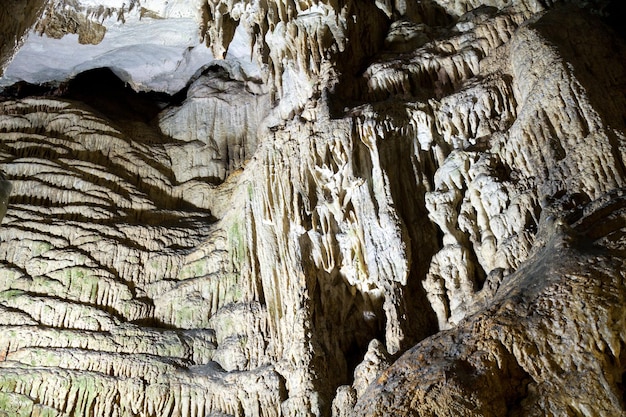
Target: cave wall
<point>292,208</point>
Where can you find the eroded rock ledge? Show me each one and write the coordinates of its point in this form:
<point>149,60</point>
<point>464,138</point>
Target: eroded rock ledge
<point>389,209</point>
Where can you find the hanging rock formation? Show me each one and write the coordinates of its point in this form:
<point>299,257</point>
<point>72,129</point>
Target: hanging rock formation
<point>312,208</point>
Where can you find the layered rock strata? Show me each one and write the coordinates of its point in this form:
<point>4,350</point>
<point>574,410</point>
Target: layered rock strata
<point>386,208</point>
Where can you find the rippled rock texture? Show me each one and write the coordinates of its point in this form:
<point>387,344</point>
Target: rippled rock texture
<point>355,208</point>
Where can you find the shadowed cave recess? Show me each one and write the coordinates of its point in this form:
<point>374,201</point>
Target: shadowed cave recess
<point>234,208</point>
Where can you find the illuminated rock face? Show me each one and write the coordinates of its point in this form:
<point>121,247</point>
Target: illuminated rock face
<point>349,208</point>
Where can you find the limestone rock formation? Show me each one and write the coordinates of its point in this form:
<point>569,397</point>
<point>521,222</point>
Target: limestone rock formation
<point>312,208</point>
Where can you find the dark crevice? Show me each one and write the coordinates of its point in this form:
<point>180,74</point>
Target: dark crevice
<point>612,13</point>
<point>104,91</point>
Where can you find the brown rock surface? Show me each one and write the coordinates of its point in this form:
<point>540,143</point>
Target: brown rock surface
<point>16,18</point>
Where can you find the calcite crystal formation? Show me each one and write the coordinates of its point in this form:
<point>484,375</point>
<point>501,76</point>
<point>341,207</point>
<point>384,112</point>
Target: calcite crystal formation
<point>312,208</point>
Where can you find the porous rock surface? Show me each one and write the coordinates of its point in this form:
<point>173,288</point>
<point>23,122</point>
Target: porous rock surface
<point>352,208</point>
